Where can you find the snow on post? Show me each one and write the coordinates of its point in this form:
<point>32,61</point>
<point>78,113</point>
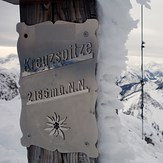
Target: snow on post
<point>115,25</point>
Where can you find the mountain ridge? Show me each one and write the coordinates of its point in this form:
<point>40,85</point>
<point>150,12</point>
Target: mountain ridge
<point>130,95</point>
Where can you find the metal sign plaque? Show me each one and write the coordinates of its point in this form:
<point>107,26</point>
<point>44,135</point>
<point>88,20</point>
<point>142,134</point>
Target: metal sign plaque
<point>58,86</point>
<point>15,2</point>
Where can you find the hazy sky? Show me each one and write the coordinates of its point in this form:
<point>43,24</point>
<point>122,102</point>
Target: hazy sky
<point>153,25</point>
<point>9,16</point>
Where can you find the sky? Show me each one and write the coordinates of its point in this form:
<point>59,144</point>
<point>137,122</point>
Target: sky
<point>153,35</point>
<point>9,16</point>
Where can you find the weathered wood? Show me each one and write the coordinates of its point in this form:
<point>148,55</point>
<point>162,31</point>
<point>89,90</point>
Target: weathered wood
<point>40,155</point>
<point>52,10</point>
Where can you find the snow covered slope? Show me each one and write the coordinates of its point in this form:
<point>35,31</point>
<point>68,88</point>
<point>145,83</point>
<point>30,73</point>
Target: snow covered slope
<point>11,150</point>
<point>9,74</point>
<point>153,96</point>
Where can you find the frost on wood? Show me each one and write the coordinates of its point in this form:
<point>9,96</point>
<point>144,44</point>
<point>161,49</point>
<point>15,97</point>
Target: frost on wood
<point>115,25</point>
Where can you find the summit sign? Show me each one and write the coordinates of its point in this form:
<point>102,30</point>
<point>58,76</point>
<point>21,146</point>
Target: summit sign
<point>58,86</point>
<point>73,54</point>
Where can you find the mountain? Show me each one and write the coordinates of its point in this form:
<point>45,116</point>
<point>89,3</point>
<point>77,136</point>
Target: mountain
<point>8,59</point>
<point>129,82</point>
<point>149,150</point>
<point>9,76</point>
<point>130,95</point>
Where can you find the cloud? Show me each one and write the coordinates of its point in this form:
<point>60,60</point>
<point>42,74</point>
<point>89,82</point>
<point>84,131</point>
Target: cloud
<point>8,40</point>
<point>9,16</point>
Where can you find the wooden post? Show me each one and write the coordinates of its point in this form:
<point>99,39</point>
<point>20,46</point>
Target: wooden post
<point>37,11</point>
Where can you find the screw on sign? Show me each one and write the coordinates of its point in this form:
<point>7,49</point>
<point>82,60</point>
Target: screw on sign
<point>36,11</point>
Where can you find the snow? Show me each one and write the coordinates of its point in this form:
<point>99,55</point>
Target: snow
<point>10,62</point>
<point>112,35</point>
<point>11,150</point>
<point>145,153</point>
<point>119,134</point>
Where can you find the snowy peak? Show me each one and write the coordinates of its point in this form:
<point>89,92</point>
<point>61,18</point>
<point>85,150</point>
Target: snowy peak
<point>130,95</point>
<point>8,85</point>
<point>9,76</point>
<point>8,59</point>
<point>11,63</point>
<point>130,81</point>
